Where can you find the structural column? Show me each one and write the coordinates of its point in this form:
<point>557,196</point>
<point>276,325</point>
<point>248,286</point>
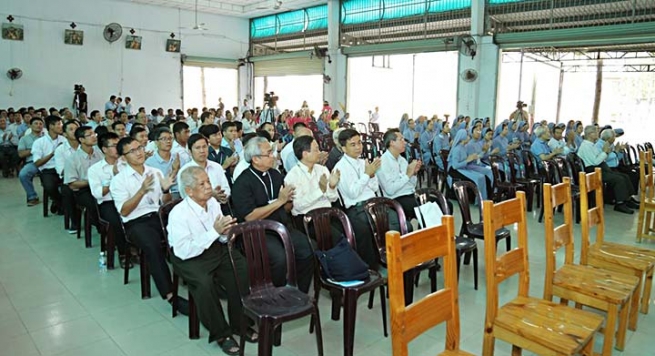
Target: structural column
<point>478,98</point>
<point>335,91</point>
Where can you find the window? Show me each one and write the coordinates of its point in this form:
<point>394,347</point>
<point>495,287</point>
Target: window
<point>204,85</point>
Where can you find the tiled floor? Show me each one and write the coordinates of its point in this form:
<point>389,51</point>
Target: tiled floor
<point>53,300</point>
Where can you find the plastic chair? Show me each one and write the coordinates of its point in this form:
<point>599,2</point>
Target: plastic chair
<point>469,228</point>
<point>194,322</point>
<point>267,305</point>
<point>530,186</point>
<point>536,325</point>
<point>408,323</point>
<point>463,245</point>
<point>320,220</point>
<point>564,169</point>
<point>143,267</point>
<point>502,188</point>
<point>551,176</point>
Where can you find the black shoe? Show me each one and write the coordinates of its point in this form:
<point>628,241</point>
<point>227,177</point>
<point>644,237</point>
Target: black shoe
<point>182,305</point>
<point>622,208</point>
<point>632,205</point>
<point>53,208</point>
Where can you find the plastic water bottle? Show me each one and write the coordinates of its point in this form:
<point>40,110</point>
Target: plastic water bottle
<point>102,262</point>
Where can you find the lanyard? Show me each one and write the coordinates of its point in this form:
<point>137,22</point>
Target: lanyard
<point>270,195</point>
<point>352,165</point>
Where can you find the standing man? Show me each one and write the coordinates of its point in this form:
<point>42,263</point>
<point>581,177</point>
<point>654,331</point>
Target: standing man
<point>374,120</point>
<point>25,152</point>
<point>111,104</point>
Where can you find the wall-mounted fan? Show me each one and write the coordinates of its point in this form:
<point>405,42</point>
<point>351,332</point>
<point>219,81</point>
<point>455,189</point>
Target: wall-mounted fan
<point>271,4</point>
<point>112,32</point>
<point>14,73</point>
<point>468,46</point>
<point>469,75</point>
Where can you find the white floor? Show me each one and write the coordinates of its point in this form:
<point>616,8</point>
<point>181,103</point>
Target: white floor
<point>53,300</point>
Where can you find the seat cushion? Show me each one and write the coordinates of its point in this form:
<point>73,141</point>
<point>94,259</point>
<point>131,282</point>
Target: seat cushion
<point>614,288</point>
<point>555,327</point>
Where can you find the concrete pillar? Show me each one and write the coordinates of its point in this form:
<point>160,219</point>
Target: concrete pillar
<point>478,98</point>
<point>336,68</point>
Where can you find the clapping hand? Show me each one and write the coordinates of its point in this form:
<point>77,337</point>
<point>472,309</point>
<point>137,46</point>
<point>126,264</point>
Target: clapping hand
<point>224,223</point>
<point>371,168</point>
<point>322,157</point>
<point>168,181</point>
<point>220,195</point>
<point>176,163</point>
<point>335,176</point>
<point>322,183</point>
<point>286,193</point>
<point>147,184</point>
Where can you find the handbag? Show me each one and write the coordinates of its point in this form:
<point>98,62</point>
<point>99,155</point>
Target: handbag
<point>342,263</point>
<point>428,213</point>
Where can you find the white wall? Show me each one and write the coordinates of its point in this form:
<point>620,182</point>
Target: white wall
<point>151,76</point>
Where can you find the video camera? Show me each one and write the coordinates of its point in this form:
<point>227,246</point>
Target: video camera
<point>270,99</point>
<point>520,105</point>
<point>78,88</point>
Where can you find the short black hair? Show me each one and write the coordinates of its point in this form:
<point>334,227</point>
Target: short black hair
<point>227,124</point>
<point>261,127</point>
<point>302,144</point>
<point>260,133</point>
<point>249,136</point>
<point>51,121</point>
<point>108,110</point>
<point>116,123</point>
<point>94,112</point>
<point>239,125</point>
<point>101,130</point>
<point>208,130</point>
<point>112,97</point>
<point>70,122</point>
<point>388,137</point>
<point>179,127</point>
<point>35,119</point>
<point>81,132</point>
<point>195,138</point>
<point>346,135</point>
<point>125,141</point>
<point>205,115</point>
<point>136,130</point>
<point>159,131</point>
<point>298,125</point>
<point>103,140</point>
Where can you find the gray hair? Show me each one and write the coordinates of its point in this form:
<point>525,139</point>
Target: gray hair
<point>589,129</point>
<point>540,131</point>
<point>252,148</point>
<point>335,135</point>
<point>607,134</point>
<point>188,179</point>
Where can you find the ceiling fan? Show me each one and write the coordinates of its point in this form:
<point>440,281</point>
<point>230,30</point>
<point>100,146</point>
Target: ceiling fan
<point>267,5</point>
<point>197,26</point>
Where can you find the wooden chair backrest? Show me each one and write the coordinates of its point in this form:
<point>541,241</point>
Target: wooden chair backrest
<point>562,235</point>
<point>646,174</point>
<point>405,253</point>
<point>591,183</point>
<point>515,261</point>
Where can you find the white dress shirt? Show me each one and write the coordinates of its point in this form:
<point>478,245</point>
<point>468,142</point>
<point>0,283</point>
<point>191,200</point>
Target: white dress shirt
<point>100,175</point>
<point>590,154</point>
<point>45,146</point>
<point>63,154</point>
<point>355,186</point>
<point>191,228</point>
<point>215,172</point>
<point>127,183</point>
<point>241,166</point>
<point>288,157</point>
<point>185,155</point>
<point>393,178</point>
<point>308,195</point>
<point>555,144</point>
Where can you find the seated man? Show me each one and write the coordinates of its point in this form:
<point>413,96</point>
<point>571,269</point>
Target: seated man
<point>357,185</point>
<point>557,141</point>
<point>138,191</point>
<point>29,169</point>
<point>43,152</point>
<point>162,158</point>
<point>289,160</point>
<point>397,178</point>
<point>181,134</point>
<point>8,148</point>
<point>119,128</point>
<point>594,156</point>
<point>77,168</point>
<point>541,147</point>
<point>262,196</point>
<point>62,155</point>
<point>336,152</point>
<point>100,176</point>
<point>315,186</point>
<point>199,151</point>
<point>217,153</point>
<point>196,233</point>
<point>608,135</point>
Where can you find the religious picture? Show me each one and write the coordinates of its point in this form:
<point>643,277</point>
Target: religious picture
<point>133,42</point>
<point>12,32</point>
<point>74,37</point>
<point>173,45</point>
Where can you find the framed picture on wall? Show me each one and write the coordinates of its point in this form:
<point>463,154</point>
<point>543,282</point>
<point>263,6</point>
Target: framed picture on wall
<point>133,42</point>
<point>12,32</point>
<point>74,37</point>
<point>173,45</point>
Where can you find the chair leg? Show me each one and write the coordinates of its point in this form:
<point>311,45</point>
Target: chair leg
<point>194,322</point>
<point>645,301</point>
<point>475,269</point>
<point>633,314</point>
<point>126,271</point>
<point>45,204</point>
<point>319,332</point>
<point>370,299</point>
<point>488,342</point>
<point>588,350</point>
<point>408,279</point>
<point>459,260</point>
<point>530,194</point>
<point>110,248</point>
<point>242,335</point>
<point>508,243</point>
<point>87,229</point>
<point>145,276</point>
<point>383,306</point>
<point>277,335</point>
<point>349,318</point>
<point>336,304</point>
<point>265,347</point>
<point>176,282</point>
<point>77,217</point>
<point>433,279</point>
<point>610,329</point>
<point>623,326</point>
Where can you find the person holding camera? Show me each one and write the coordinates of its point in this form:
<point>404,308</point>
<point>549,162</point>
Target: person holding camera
<point>519,114</point>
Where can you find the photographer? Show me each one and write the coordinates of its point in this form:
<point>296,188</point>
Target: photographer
<point>270,111</point>
<point>519,114</point>
<point>80,102</point>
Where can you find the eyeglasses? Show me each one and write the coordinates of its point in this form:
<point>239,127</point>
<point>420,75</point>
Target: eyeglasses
<point>110,146</point>
<point>269,154</point>
<point>135,150</point>
<point>165,139</point>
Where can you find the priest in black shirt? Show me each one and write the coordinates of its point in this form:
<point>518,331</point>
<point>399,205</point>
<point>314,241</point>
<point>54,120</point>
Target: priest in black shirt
<point>258,194</point>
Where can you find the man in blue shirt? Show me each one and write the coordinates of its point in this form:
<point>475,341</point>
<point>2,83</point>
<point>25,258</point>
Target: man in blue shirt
<point>111,104</point>
<point>540,146</point>
<point>613,159</point>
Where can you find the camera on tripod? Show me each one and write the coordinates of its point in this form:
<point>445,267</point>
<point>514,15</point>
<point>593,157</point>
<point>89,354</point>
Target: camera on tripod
<point>270,99</point>
<point>520,105</point>
<point>78,88</point>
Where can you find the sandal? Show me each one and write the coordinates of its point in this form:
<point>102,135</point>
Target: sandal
<point>251,336</point>
<point>229,346</point>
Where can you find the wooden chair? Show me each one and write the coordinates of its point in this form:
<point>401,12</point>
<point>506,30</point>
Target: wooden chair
<point>645,226</point>
<point>584,285</point>
<point>404,254</point>
<point>537,325</point>
<point>320,219</point>
<point>194,322</point>
<point>269,306</point>
<point>608,255</point>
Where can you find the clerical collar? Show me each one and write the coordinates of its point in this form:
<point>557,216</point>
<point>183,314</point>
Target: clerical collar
<point>257,171</point>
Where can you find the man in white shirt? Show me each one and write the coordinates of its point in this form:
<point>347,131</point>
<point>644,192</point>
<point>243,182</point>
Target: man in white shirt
<point>315,186</point>
<point>374,120</point>
<point>199,151</point>
<point>193,120</point>
<point>99,176</point>
<point>181,135</point>
<point>357,185</point>
<point>127,108</point>
<point>249,124</point>
<point>289,159</point>
<point>8,148</point>
<point>43,152</point>
<point>196,233</point>
<point>63,154</point>
<point>245,107</point>
<point>618,183</point>
<point>29,170</point>
<point>556,140</point>
<point>138,192</point>
<point>163,158</point>
<point>398,178</point>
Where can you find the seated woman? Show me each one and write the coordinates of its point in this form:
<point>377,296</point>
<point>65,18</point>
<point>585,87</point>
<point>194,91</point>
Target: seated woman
<point>440,142</point>
<point>465,166</point>
<point>522,132</point>
<point>500,140</point>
